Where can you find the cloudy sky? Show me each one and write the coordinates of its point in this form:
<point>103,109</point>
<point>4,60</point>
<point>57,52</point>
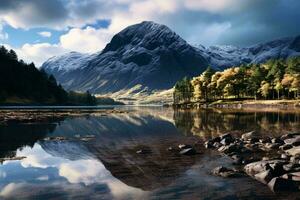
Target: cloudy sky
<point>39,29</point>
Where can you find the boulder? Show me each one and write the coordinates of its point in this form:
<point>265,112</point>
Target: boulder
<point>264,177</point>
<point>227,141</point>
<point>184,146</point>
<point>295,151</point>
<point>295,141</point>
<point>286,147</point>
<point>260,166</point>
<point>265,140</point>
<point>208,144</point>
<point>229,149</point>
<point>250,135</point>
<point>295,176</point>
<point>279,184</point>
<point>277,141</point>
<point>225,172</point>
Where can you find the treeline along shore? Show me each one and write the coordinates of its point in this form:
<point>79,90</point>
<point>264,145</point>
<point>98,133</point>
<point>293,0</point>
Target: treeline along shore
<point>275,83</point>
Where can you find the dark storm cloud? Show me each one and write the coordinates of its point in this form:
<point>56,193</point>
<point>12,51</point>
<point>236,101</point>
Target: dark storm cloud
<point>248,22</point>
<point>33,12</point>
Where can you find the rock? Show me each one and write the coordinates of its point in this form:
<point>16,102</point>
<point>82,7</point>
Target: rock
<point>226,135</point>
<point>188,151</point>
<point>143,151</point>
<point>217,145</point>
<point>253,140</point>
<point>170,149</point>
<point>184,146</point>
<point>284,156</point>
<point>294,159</point>
<point>277,141</point>
<point>208,144</point>
<point>227,141</point>
<point>292,176</point>
<point>295,141</point>
<point>291,167</point>
<point>250,135</point>
<point>265,140</point>
<point>216,139</point>
<point>279,184</point>
<point>289,135</point>
<point>295,151</point>
<point>260,166</point>
<point>264,177</point>
<point>286,147</point>
<point>229,149</point>
<point>277,168</point>
<point>272,145</point>
<point>225,172</point>
<point>237,160</point>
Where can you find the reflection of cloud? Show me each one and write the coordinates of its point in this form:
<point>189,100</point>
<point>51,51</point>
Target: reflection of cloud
<point>37,157</point>
<point>83,171</point>
<point>10,189</point>
<point>2,174</point>
<point>43,178</point>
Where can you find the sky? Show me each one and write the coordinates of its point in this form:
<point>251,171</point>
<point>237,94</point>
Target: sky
<point>40,29</point>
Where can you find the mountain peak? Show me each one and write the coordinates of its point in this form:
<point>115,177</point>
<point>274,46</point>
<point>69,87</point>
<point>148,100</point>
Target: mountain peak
<point>147,34</point>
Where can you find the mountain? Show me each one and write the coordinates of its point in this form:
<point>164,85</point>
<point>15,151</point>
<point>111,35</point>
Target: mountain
<point>24,84</point>
<point>148,57</point>
<point>228,56</point>
<point>145,56</point>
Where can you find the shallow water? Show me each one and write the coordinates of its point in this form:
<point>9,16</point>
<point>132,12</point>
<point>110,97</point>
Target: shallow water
<point>106,166</point>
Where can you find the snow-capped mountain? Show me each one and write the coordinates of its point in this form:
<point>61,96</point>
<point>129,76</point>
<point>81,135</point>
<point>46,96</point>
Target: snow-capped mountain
<point>227,56</point>
<point>145,56</point>
<point>149,57</point>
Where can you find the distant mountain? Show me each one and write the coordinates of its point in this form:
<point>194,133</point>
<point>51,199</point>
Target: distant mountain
<point>149,57</point>
<point>145,56</point>
<point>24,84</point>
<point>228,56</point>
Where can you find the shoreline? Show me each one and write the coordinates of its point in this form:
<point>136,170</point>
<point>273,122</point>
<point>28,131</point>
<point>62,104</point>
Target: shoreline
<point>242,104</point>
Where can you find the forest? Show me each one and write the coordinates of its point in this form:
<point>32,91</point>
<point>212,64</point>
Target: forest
<point>274,79</point>
<point>22,83</point>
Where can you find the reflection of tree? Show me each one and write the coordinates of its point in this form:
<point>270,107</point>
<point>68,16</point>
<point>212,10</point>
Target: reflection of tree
<point>209,122</point>
<point>17,135</point>
<point>184,121</point>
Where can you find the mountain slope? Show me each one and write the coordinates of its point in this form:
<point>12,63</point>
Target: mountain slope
<point>227,56</point>
<point>145,56</point>
<point>149,57</point>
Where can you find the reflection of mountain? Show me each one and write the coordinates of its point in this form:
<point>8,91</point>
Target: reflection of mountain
<point>208,123</point>
<point>18,135</point>
<point>118,137</point>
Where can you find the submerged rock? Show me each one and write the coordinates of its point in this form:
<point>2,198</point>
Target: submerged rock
<point>188,151</point>
<point>225,172</point>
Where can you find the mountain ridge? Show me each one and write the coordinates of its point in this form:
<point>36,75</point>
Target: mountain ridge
<point>149,57</point>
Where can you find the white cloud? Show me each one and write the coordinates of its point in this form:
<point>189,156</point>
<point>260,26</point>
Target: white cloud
<point>210,5</point>
<point>87,40</point>
<point>38,53</point>
<point>45,34</point>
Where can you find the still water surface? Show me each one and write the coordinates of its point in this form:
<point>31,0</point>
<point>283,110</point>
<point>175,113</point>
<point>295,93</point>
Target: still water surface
<point>106,165</point>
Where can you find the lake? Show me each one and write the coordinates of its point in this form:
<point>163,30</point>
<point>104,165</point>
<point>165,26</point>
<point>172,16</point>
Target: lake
<point>94,153</point>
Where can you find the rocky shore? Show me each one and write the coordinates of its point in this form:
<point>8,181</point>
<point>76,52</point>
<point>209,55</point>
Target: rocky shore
<point>271,161</point>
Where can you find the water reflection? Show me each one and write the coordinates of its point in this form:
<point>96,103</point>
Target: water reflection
<point>208,123</point>
<point>108,167</point>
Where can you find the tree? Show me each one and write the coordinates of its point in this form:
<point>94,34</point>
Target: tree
<point>265,89</point>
